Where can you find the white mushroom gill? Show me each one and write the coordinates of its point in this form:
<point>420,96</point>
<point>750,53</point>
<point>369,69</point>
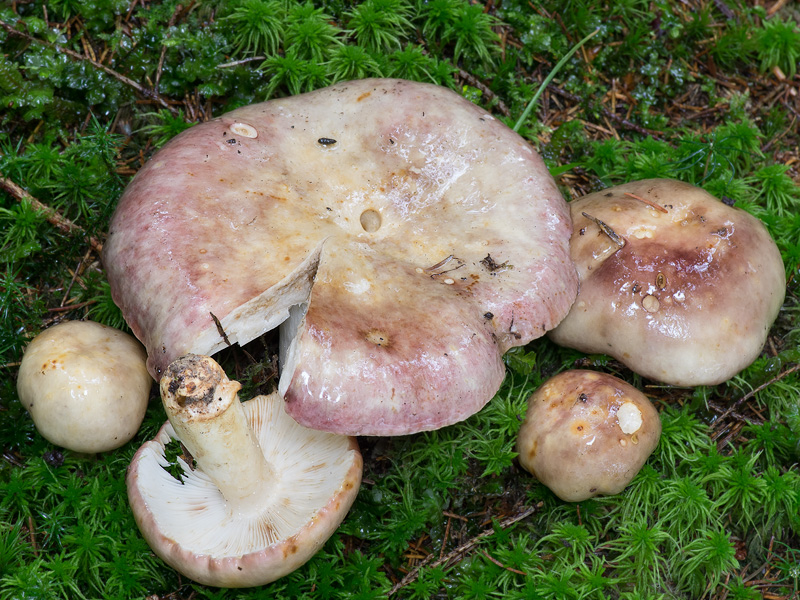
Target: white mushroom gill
<point>309,468</point>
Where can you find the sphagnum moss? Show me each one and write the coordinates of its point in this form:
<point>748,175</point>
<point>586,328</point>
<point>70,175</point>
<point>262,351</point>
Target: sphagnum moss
<point>714,512</point>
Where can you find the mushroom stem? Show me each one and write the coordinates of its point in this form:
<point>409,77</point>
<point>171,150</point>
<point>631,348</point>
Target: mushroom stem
<point>204,409</point>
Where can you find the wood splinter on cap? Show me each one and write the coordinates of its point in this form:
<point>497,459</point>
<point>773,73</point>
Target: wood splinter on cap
<point>649,203</point>
<point>606,229</point>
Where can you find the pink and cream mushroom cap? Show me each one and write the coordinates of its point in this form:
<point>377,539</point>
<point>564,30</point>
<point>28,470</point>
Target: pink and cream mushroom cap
<point>675,284</point>
<point>415,237</point>
<point>264,496</point>
<point>587,433</point>
<point>85,385</point>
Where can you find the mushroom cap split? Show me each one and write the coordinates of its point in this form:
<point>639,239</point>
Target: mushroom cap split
<point>85,385</point>
<point>417,236</point>
<point>675,284</point>
<point>237,519</point>
<point>587,433</point>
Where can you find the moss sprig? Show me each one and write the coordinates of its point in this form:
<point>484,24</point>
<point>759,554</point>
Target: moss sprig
<point>778,45</point>
<point>634,102</point>
<point>256,26</point>
<point>381,25</point>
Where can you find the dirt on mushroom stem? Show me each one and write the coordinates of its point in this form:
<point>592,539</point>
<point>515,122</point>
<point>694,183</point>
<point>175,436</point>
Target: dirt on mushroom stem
<point>264,495</point>
<point>204,409</point>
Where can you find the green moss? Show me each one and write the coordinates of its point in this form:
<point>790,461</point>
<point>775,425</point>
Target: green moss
<point>714,491</point>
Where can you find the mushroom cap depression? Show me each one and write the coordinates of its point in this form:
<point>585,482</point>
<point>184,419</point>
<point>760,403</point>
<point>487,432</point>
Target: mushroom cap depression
<point>587,433</point>
<point>422,237</point>
<point>191,527</point>
<point>675,284</point>
<point>85,385</point>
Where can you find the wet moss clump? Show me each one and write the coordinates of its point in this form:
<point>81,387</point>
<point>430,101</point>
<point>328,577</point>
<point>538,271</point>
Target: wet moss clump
<point>703,92</point>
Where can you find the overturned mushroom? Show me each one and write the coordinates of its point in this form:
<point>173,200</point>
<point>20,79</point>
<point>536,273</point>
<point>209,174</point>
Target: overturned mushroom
<point>587,433</point>
<point>85,385</point>
<point>685,290</point>
<point>265,495</point>
<point>422,237</point>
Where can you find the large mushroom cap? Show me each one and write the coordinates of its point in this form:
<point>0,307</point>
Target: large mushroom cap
<point>587,433</point>
<point>424,237</point>
<point>234,519</point>
<point>675,284</point>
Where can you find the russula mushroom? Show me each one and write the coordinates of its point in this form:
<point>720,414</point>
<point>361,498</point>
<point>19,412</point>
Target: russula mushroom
<point>259,494</point>
<point>675,284</point>
<point>421,236</point>
<point>587,433</point>
<point>85,385</point>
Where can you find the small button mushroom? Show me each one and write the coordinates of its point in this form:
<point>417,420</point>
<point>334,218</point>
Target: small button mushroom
<point>85,385</point>
<point>675,284</point>
<point>587,433</point>
<point>259,494</point>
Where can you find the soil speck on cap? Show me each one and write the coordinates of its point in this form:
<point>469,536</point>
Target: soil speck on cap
<point>377,337</point>
<point>492,265</point>
<point>534,448</point>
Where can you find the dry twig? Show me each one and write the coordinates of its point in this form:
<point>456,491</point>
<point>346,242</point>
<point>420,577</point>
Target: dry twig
<point>491,97</point>
<point>622,121</point>
<point>459,553</point>
<point>718,427</point>
<point>52,215</point>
